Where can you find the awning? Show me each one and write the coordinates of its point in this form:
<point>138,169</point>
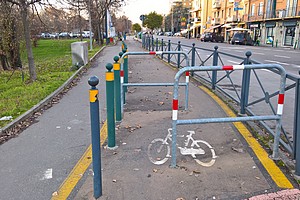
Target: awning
<point>226,26</point>
<point>238,29</point>
<point>213,27</point>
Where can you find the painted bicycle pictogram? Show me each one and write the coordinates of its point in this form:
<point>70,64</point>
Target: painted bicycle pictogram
<point>159,149</point>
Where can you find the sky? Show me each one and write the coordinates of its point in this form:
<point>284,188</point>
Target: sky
<point>135,8</point>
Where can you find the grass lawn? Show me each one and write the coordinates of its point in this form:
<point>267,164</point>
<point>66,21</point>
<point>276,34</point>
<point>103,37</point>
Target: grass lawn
<point>53,61</point>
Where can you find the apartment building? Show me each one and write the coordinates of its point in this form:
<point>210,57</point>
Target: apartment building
<point>180,14</point>
<point>274,22</point>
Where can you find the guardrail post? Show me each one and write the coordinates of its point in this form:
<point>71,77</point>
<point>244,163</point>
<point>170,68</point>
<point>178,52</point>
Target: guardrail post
<point>215,63</point>
<point>162,47</point>
<point>193,57</point>
<point>296,136</point>
<point>125,69</point>
<point>178,57</point>
<point>156,44</point>
<point>245,84</point>
<point>169,49</point>
<point>149,43</point>
<point>95,129</point>
<point>117,88</point>
<point>152,43</point>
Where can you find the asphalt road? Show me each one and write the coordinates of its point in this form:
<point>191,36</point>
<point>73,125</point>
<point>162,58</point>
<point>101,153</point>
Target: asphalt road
<point>287,57</point>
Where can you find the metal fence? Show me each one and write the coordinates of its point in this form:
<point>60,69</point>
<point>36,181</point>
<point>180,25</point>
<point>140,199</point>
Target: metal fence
<point>252,89</point>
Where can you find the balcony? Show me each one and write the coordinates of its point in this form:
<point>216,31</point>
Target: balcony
<point>232,18</point>
<point>290,12</point>
<point>216,5</point>
<point>215,21</point>
<point>255,18</point>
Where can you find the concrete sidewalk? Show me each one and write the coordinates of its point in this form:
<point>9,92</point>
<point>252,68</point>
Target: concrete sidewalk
<point>128,172</point>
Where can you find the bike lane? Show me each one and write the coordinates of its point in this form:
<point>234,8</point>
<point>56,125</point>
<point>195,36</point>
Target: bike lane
<point>233,165</point>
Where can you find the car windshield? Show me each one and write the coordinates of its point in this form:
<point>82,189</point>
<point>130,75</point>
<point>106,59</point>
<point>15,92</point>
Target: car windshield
<point>239,35</point>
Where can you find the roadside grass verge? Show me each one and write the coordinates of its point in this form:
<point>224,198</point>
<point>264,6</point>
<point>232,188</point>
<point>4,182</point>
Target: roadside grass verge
<point>53,61</point>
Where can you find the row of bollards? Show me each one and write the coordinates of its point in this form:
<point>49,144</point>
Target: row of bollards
<point>113,106</point>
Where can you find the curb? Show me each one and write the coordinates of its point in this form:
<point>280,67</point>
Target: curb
<point>45,101</point>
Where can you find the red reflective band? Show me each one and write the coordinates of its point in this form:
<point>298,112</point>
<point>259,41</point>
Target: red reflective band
<point>280,98</point>
<point>227,68</point>
<point>187,73</point>
<point>152,53</point>
<point>122,73</point>
<point>175,104</point>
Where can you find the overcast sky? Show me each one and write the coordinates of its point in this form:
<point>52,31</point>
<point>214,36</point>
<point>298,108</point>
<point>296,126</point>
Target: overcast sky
<point>135,8</point>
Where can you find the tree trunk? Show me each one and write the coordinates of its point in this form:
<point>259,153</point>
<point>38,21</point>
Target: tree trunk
<point>15,58</point>
<point>3,61</point>
<point>32,72</point>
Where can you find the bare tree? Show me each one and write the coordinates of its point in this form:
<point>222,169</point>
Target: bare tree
<point>9,37</point>
<point>24,6</point>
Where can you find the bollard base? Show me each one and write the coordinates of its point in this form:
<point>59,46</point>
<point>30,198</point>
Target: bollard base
<point>111,148</point>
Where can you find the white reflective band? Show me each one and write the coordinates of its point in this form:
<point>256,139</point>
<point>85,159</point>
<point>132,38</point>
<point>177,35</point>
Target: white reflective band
<point>174,114</point>
<point>122,79</point>
<point>237,67</point>
<point>158,52</point>
<point>279,109</point>
<point>187,79</point>
<point>122,60</point>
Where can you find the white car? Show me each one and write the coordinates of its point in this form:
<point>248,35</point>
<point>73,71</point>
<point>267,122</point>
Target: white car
<point>178,34</point>
<point>168,34</point>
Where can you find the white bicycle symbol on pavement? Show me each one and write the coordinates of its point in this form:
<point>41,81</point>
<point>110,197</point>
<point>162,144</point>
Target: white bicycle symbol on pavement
<point>159,149</point>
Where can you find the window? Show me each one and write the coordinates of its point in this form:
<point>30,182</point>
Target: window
<point>252,9</point>
<point>260,8</point>
<point>222,14</point>
<point>229,12</point>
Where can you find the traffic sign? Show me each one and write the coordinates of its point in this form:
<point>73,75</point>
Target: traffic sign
<point>142,17</point>
<point>235,9</point>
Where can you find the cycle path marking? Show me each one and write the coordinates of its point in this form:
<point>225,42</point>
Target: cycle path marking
<point>276,174</point>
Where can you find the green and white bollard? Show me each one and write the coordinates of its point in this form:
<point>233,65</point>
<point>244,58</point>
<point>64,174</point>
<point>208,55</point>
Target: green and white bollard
<point>110,107</point>
<point>117,82</point>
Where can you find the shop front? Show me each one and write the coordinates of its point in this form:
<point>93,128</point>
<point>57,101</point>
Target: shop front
<point>255,31</point>
<point>289,32</point>
<point>270,32</point>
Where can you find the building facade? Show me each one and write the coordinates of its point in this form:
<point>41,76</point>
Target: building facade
<point>273,22</point>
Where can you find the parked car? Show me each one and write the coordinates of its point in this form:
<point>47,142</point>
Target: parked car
<point>168,34</point>
<point>242,38</point>
<point>64,35</point>
<point>45,35</point>
<point>53,35</point>
<point>178,34</point>
<point>213,37</point>
<point>202,37</point>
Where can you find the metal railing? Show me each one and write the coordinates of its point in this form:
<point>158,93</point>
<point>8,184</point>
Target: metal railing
<point>251,102</point>
<point>276,116</point>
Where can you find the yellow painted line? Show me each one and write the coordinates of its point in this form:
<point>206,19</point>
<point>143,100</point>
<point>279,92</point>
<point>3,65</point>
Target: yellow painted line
<point>276,174</point>
<point>77,172</point>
